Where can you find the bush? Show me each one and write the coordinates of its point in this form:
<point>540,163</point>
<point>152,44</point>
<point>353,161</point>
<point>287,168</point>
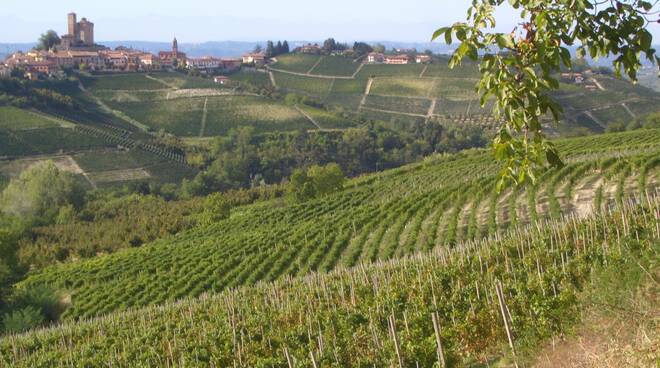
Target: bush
<point>22,320</point>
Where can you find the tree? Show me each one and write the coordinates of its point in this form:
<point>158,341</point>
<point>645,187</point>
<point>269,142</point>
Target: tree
<point>257,49</point>
<point>48,40</point>
<point>379,48</point>
<point>361,48</point>
<point>315,182</point>
<point>518,68</point>
<point>278,48</point>
<point>270,49</point>
<point>40,192</point>
<point>329,45</point>
<point>285,47</point>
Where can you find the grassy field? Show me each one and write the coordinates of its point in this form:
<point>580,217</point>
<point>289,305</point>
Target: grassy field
<point>401,104</point>
<point>181,116</point>
<point>225,113</point>
<point>328,120</point>
<point>13,118</point>
<point>46,141</point>
<point>412,87</point>
<point>122,82</point>
<point>308,85</point>
<point>382,70</point>
<point>336,66</point>
<point>298,63</point>
<point>179,80</point>
<point>252,77</point>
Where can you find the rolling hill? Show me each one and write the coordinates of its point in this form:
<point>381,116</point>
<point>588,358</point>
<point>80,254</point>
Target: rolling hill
<point>455,304</point>
<point>434,204</point>
<point>403,94</point>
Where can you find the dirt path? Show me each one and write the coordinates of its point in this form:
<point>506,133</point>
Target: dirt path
<point>309,72</point>
<point>595,119</point>
<point>632,114</point>
<point>161,81</point>
<point>366,93</point>
<point>205,113</point>
<point>600,87</point>
<point>431,111</point>
<point>311,119</point>
<point>421,75</point>
<point>309,75</point>
<point>272,79</point>
<point>357,70</point>
<point>111,111</point>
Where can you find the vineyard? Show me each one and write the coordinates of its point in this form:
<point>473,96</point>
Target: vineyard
<point>442,201</point>
<point>477,303</point>
<point>590,106</point>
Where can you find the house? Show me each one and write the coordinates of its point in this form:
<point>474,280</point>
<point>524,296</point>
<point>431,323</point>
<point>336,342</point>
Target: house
<point>231,64</point>
<point>257,59</point>
<point>204,63</point>
<point>221,79</point>
<point>90,58</point>
<point>62,58</point>
<point>397,59</point>
<point>310,49</point>
<point>41,67</point>
<point>149,61</point>
<point>419,59</point>
<point>579,79</point>
<point>115,59</point>
<point>375,57</point>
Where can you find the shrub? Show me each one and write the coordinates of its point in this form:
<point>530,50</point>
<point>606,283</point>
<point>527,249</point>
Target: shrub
<point>22,320</point>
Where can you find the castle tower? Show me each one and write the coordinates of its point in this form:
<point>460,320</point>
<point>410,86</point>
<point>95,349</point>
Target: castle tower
<point>86,32</point>
<point>73,25</point>
<point>175,47</point>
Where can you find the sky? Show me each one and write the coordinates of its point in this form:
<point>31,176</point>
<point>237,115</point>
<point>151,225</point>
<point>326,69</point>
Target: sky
<point>254,20</point>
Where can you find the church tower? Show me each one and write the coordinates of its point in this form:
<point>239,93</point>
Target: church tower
<point>175,47</point>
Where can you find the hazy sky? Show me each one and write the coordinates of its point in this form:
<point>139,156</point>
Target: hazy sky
<point>219,20</point>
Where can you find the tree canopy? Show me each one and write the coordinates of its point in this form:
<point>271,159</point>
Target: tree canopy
<point>518,69</point>
<point>315,182</point>
<point>40,192</point>
<point>48,40</point>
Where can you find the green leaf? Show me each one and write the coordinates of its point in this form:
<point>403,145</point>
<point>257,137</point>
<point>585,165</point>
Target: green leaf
<point>553,158</point>
<point>439,33</point>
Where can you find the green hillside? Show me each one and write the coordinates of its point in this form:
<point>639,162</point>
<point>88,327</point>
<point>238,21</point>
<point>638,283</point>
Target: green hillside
<point>434,204</point>
<point>448,305</point>
<point>590,106</point>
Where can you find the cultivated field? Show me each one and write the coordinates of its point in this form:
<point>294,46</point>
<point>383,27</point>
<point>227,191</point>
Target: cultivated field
<point>421,207</point>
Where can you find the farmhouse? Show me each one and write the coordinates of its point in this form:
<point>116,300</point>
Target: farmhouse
<point>310,49</point>
<point>397,59</point>
<point>419,59</point>
<point>258,59</point>
<point>375,57</point>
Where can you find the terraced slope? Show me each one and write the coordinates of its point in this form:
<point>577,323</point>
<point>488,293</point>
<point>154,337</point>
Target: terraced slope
<point>590,106</point>
<point>454,305</point>
<point>420,207</point>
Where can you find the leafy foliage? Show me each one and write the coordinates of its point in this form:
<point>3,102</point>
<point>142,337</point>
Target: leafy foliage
<point>315,182</point>
<point>517,69</point>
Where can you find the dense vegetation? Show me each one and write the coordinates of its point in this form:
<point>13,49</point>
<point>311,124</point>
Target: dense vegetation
<point>454,305</point>
<point>440,202</point>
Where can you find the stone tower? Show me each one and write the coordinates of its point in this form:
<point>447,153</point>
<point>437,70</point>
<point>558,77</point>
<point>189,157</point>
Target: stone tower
<point>175,47</point>
<point>86,32</point>
<point>73,24</point>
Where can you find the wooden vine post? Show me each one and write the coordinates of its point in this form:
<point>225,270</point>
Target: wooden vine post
<point>396,340</point>
<point>436,328</point>
<point>500,299</point>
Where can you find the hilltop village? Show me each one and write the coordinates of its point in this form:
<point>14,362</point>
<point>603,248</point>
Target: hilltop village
<point>77,50</point>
